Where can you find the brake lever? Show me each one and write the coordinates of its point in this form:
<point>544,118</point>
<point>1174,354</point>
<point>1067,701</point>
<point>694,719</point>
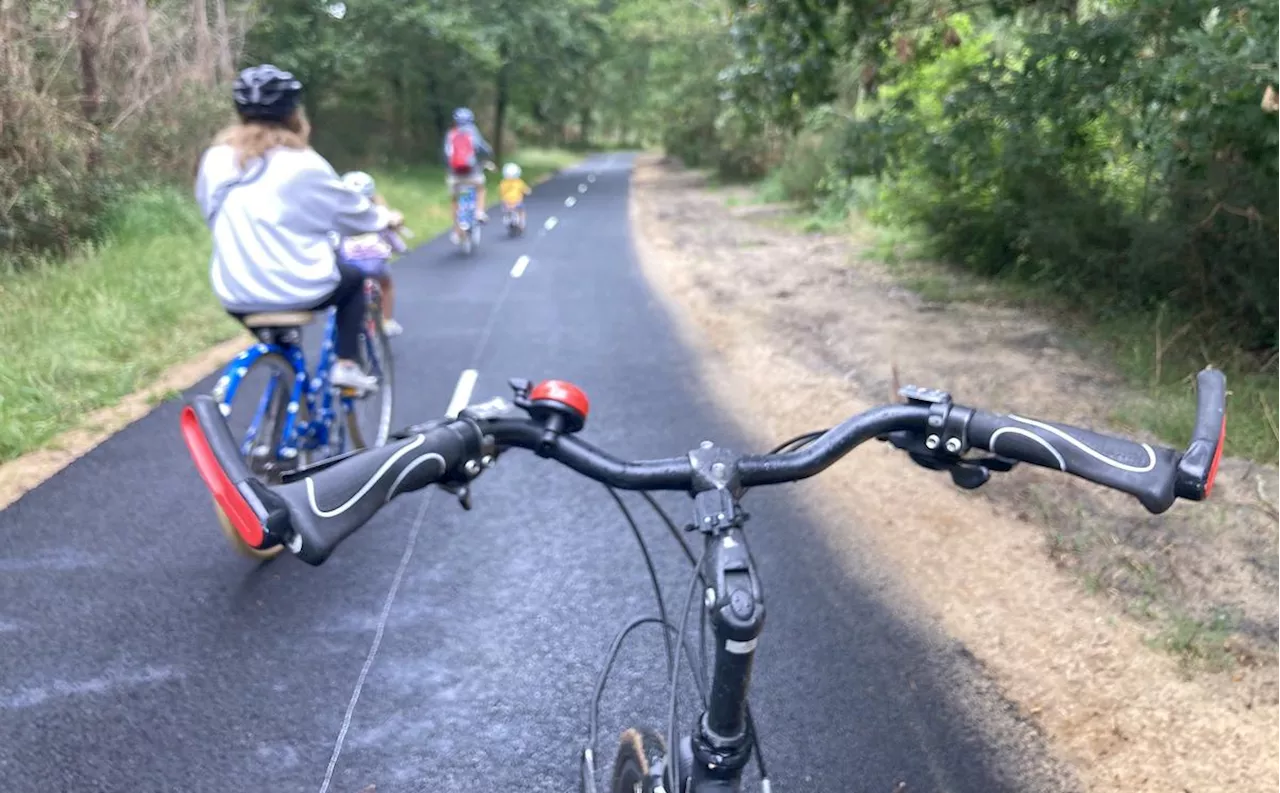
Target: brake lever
<point>458,483</point>
<point>968,473</point>
<point>303,471</point>
<point>417,429</point>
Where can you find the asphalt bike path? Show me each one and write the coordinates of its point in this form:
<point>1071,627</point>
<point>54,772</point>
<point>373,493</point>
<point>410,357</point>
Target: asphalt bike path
<point>440,649</point>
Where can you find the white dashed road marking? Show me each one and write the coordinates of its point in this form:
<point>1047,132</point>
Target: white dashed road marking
<point>461,397</point>
<point>462,393</point>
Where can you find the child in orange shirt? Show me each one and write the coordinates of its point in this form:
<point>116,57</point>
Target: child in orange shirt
<point>512,189</point>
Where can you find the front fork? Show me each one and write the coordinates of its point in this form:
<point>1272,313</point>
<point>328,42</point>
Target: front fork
<point>721,746</point>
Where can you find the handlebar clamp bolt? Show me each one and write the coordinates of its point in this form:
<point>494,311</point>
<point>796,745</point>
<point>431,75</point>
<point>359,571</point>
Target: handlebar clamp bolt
<point>471,467</point>
<point>953,445</point>
<point>931,442</point>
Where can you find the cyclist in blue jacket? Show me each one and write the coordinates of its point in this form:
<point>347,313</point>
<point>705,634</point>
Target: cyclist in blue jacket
<point>465,154</point>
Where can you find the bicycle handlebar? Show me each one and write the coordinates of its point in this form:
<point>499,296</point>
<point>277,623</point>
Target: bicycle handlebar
<point>318,507</point>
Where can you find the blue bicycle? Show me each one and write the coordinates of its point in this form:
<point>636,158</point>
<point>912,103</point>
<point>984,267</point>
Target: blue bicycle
<point>297,417</point>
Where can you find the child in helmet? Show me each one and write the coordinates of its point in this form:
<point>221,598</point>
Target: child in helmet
<point>372,252</point>
<point>512,189</point>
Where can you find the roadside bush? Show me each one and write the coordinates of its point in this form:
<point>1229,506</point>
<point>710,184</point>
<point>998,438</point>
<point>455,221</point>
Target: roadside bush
<point>47,197</point>
<point>59,176</point>
<point>1121,161</point>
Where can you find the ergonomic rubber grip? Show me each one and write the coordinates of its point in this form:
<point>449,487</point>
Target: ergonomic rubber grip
<point>1199,464</point>
<point>327,506</point>
<point>1145,471</point>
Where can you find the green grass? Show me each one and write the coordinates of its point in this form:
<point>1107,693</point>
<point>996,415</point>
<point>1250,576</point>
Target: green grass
<point>1154,351</point>
<point>1163,376</point>
<point>80,334</point>
<point>1198,644</point>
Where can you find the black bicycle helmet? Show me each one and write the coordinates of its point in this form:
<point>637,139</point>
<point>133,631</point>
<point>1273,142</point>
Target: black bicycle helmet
<point>266,93</point>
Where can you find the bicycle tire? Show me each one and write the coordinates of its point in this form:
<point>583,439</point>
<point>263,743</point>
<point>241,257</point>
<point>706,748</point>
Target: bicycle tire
<point>375,351</point>
<point>273,416</point>
<point>637,768</point>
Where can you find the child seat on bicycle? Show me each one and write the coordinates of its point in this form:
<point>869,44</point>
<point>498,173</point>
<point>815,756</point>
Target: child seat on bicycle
<point>371,253</point>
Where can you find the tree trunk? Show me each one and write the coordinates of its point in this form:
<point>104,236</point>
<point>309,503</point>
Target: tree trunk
<point>584,125</point>
<point>14,73</point>
<point>204,66</point>
<point>398,116</point>
<point>438,113</point>
<point>226,70</point>
<point>500,106</point>
<point>12,28</point>
<point>140,18</point>
<point>90,89</point>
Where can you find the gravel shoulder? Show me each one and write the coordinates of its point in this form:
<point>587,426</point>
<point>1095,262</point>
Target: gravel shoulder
<point>1143,647</point>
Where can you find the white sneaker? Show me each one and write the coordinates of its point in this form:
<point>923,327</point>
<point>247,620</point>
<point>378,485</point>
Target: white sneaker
<point>392,328</point>
<point>454,238</point>
<point>482,217</point>
<point>348,375</point>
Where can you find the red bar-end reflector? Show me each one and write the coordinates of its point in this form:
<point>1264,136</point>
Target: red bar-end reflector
<point>224,491</point>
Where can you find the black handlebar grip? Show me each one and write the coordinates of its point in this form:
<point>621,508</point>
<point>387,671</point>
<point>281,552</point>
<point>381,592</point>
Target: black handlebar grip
<point>1139,469</point>
<point>1199,464</point>
<point>328,506</point>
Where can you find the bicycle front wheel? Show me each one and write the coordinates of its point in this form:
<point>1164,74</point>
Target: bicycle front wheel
<point>368,417</point>
<point>642,755</point>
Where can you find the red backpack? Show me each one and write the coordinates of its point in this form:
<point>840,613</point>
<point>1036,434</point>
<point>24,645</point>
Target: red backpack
<point>462,151</point>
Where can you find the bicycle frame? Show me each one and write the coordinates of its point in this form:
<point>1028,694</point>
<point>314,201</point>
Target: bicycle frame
<point>295,436</point>
<point>713,756</point>
<point>467,208</point>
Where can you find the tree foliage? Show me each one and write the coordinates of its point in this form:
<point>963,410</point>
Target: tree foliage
<point>98,96</point>
<point>1118,152</point>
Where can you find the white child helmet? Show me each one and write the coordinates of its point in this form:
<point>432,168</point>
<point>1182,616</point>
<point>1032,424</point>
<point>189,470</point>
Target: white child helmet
<point>511,171</point>
<point>359,181</point>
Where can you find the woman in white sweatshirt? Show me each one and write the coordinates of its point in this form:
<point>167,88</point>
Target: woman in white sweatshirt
<point>271,202</point>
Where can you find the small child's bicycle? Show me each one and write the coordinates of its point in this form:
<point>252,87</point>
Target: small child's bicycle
<point>513,219</point>
<point>298,418</point>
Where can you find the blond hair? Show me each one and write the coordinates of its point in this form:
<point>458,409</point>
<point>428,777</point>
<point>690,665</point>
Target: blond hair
<point>252,139</point>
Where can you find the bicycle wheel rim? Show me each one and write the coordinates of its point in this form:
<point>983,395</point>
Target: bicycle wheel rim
<point>368,418</point>
<point>261,398</point>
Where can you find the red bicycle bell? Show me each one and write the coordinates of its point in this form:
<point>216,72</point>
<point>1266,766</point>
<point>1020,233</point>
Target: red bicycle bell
<point>559,404</point>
